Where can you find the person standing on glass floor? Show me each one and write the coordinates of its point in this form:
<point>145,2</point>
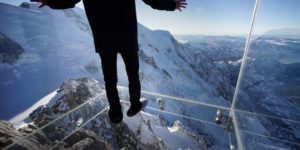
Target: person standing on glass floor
<point>114,28</point>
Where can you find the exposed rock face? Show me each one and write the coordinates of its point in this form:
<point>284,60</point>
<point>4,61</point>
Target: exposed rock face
<point>128,139</point>
<point>28,129</point>
<point>83,139</point>
<point>10,50</point>
<point>77,91</point>
<point>121,135</point>
<point>71,94</point>
<point>8,134</point>
<point>25,5</point>
<point>41,116</point>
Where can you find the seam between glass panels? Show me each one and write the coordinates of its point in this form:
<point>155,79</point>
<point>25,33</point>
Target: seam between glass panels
<point>241,75</point>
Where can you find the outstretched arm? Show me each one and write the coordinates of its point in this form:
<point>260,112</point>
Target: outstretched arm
<point>57,4</point>
<point>169,5</point>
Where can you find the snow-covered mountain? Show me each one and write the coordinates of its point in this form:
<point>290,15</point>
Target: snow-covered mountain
<point>270,85</point>
<point>219,48</point>
<point>145,131</point>
<point>63,48</point>
<point>51,54</point>
<point>58,46</point>
<point>283,32</point>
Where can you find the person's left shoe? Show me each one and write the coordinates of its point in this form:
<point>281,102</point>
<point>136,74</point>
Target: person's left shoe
<point>133,110</point>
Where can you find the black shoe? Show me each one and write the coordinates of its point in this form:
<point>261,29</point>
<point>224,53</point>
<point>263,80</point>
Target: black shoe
<point>115,116</point>
<point>133,110</point>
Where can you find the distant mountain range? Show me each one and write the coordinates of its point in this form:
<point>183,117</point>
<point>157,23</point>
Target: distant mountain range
<point>287,32</point>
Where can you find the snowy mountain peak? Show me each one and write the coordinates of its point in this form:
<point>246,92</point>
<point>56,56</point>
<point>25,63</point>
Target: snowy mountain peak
<point>84,88</point>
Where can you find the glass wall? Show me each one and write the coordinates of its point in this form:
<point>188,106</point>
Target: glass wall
<point>268,101</point>
<point>52,88</point>
<point>194,53</point>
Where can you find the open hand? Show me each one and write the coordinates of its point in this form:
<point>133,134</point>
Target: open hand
<point>43,2</point>
<point>181,5</point>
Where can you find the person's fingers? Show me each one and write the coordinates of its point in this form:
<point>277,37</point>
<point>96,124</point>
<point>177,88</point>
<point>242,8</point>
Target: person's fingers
<point>183,4</point>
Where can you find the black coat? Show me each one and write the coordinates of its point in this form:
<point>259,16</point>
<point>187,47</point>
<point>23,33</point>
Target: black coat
<point>113,23</point>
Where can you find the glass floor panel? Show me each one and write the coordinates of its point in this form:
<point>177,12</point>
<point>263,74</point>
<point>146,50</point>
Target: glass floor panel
<point>156,127</point>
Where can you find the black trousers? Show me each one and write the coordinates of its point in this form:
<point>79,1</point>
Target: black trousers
<point>109,68</point>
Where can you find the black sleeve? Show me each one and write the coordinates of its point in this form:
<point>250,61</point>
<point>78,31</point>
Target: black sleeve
<point>169,5</point>
<point>62,4</point>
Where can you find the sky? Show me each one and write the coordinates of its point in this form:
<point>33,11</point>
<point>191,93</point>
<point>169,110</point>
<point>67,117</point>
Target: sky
<point>218,17</point>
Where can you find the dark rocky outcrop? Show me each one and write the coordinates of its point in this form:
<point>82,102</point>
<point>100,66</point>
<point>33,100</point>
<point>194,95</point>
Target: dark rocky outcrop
<point>83,139</point>
<point>25,5</point>
<point>10,50</point>
<point>73,93</point>
<point>8,134</point>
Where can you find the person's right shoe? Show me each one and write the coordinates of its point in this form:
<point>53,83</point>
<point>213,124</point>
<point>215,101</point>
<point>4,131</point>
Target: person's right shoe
<point>133,110</point>
<point>115,116</point>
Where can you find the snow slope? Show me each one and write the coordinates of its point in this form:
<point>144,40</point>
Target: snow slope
<point>270,85</point>
<point>18,120</point>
